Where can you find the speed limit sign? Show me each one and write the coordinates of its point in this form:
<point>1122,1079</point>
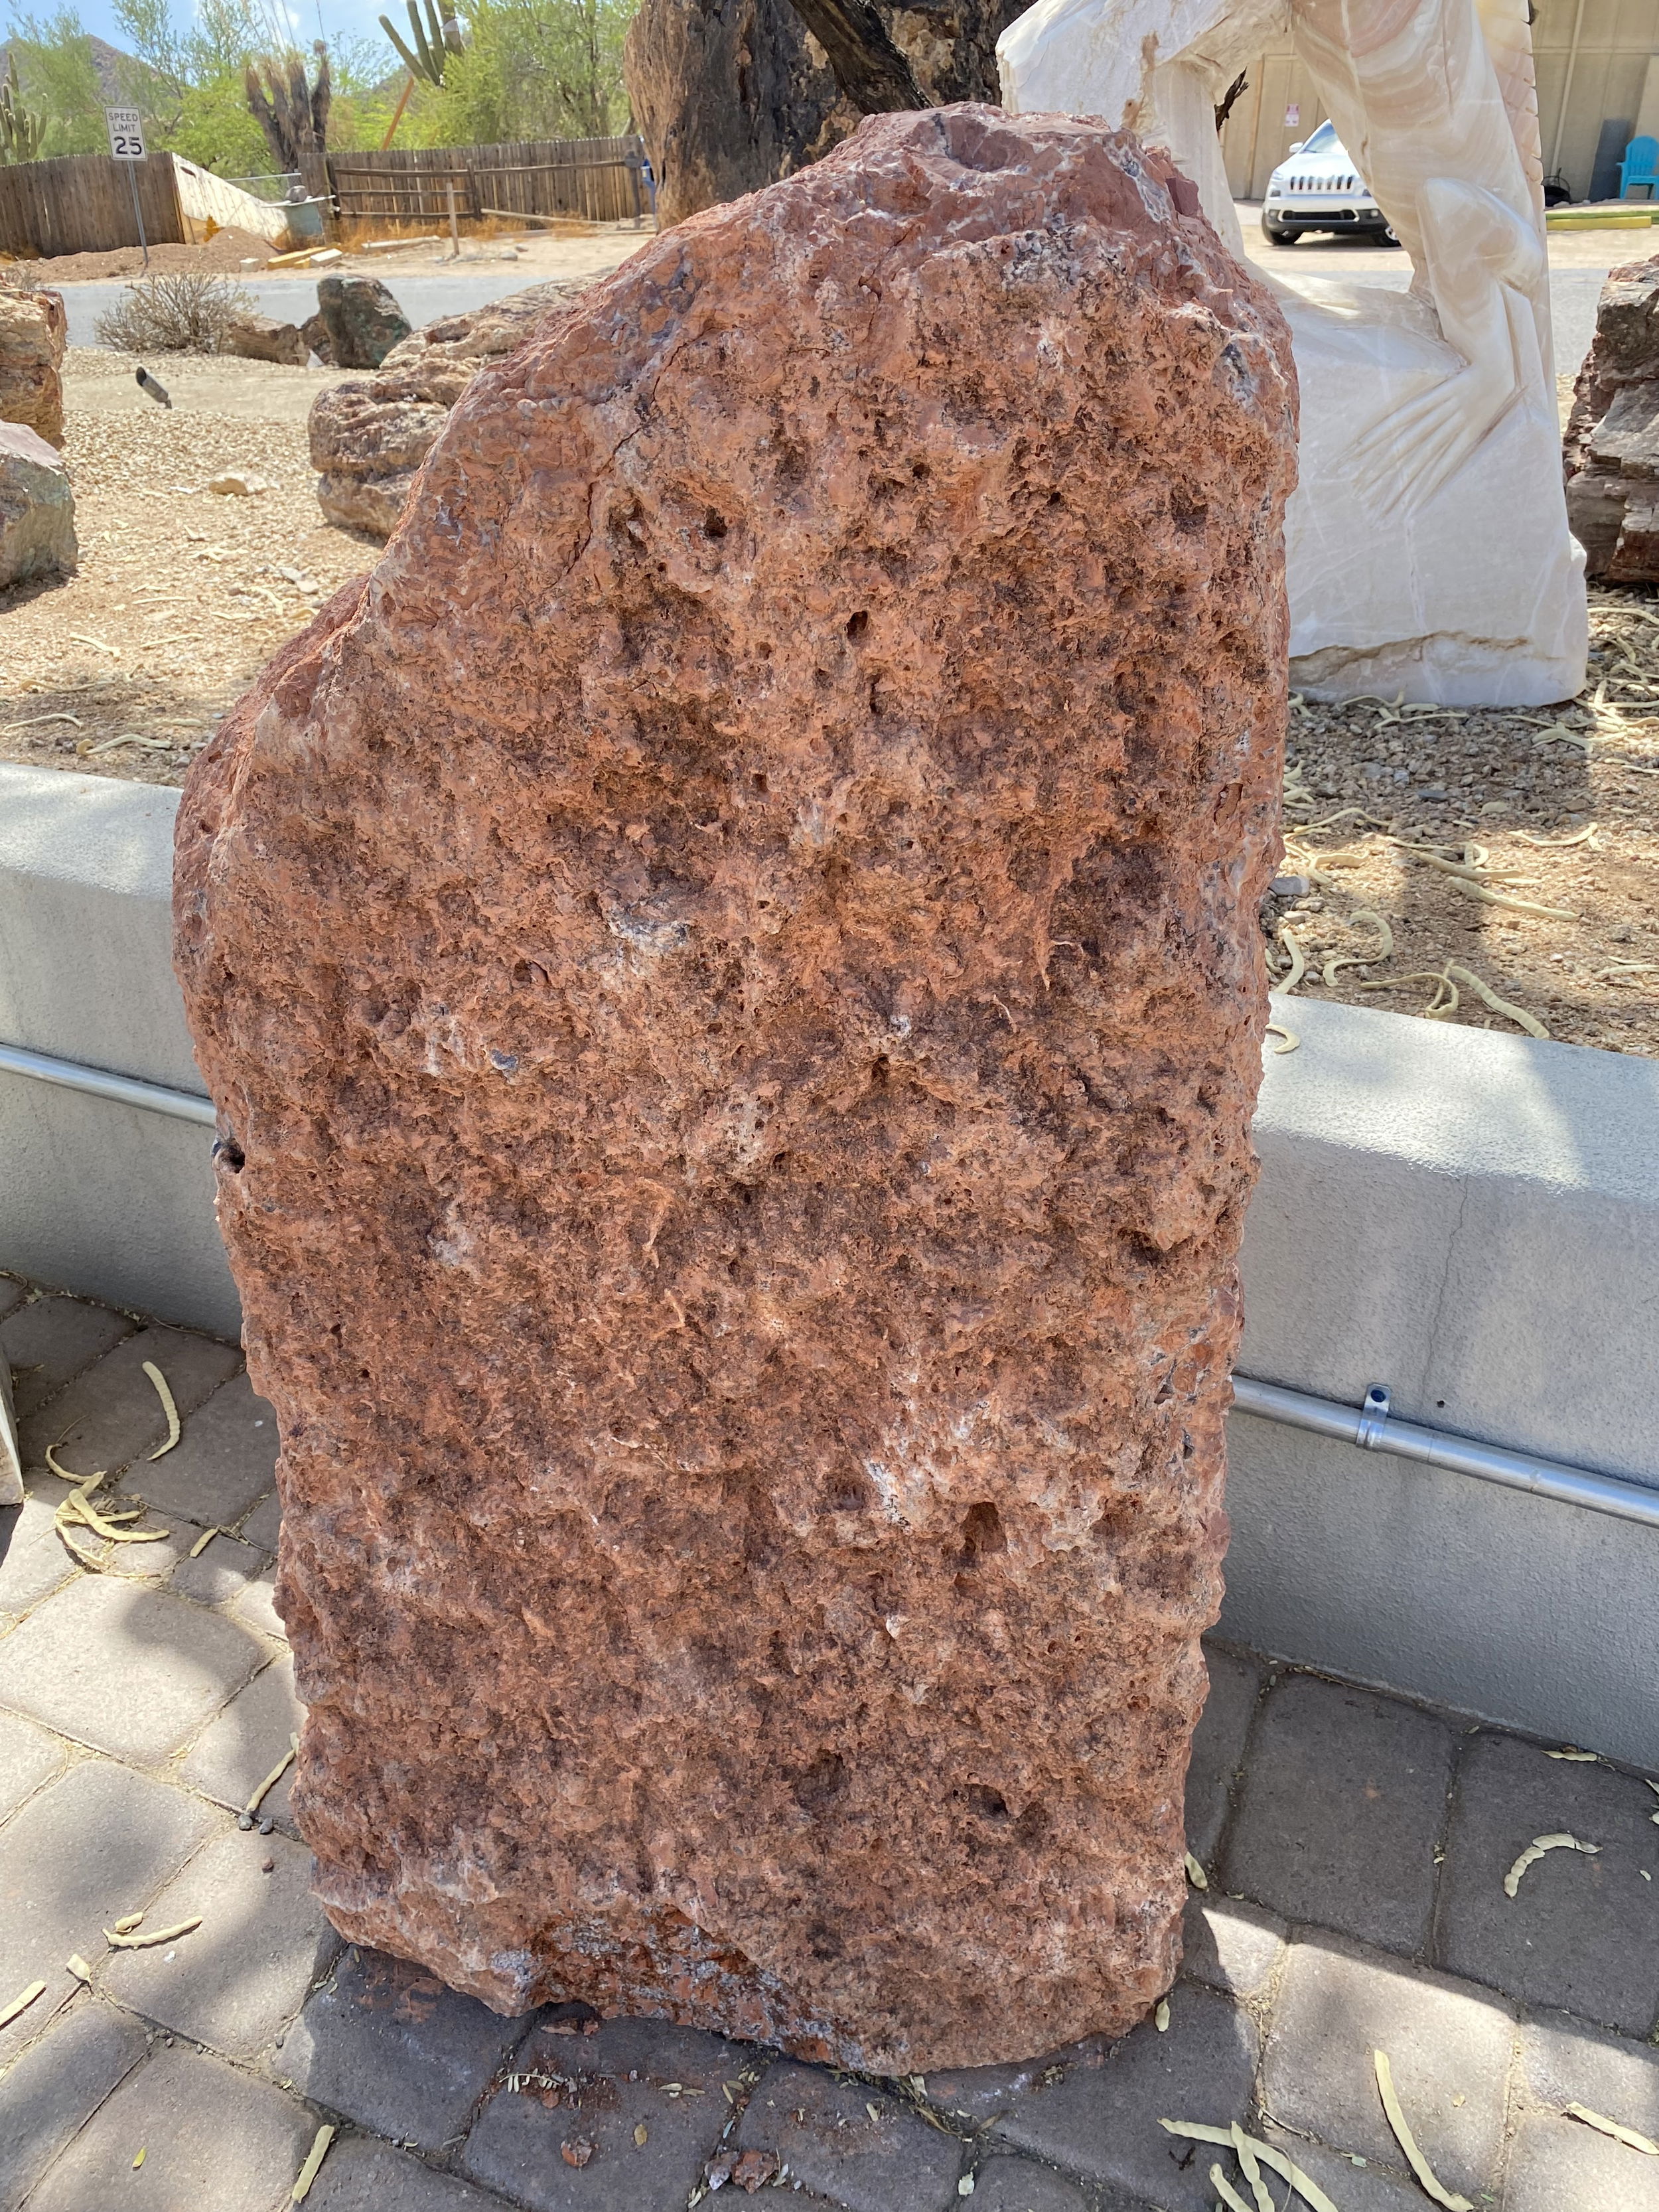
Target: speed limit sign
<point>126,133</point>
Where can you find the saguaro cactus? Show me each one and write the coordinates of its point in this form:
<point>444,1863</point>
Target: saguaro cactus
<point>22,130</point>
<point>433,42</point>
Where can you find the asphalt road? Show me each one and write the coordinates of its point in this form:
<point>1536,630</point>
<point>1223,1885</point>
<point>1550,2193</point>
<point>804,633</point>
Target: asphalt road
<point>1573,292</point>
<point>292,299</point>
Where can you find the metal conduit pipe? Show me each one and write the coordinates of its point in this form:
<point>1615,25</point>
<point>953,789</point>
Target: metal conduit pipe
<point>155,1098</point>
<point>1372,1426</point>
<point>1375,1428</point>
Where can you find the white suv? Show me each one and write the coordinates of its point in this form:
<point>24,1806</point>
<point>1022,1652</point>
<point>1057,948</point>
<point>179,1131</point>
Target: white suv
<point>1319,188</point>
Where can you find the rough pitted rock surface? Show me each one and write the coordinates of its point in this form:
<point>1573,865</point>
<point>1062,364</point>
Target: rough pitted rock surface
<point>1611,446</point>
<point>362,320</point>
<point>37,508</point>
<point>729,969</point>
<point>34,333</point>
<point>369,439</point>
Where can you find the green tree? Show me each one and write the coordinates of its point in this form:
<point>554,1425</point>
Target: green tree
<point>58,78</point>
<point>530,69</point>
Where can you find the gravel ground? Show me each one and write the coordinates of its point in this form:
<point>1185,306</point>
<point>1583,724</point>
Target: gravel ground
<point>183,593</point>
<point>1519,848</point>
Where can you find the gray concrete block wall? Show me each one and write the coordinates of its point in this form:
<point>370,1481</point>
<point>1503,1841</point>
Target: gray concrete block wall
<point>1470,1217</point>
<point>113,1200</point>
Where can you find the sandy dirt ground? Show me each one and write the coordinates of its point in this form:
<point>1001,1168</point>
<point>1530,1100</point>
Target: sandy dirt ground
<point>561,249</point>
<point>1436,862</point>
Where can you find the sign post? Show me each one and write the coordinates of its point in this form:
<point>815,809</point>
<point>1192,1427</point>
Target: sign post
<point>126,144</point>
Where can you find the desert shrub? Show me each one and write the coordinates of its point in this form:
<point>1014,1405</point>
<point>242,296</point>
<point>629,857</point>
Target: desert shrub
<point>183,312</point>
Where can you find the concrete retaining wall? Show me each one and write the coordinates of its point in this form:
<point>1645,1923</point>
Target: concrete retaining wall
<point>1469,1217</point>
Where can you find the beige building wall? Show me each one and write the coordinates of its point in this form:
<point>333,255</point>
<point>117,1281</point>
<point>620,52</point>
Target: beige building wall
<point>1595,53</point>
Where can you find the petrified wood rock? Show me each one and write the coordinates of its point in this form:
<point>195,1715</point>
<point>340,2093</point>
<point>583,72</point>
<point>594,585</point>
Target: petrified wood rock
<point>34,333</point>
<point>729,969</point>
<point>1611,446</point>
<point>728,96</point>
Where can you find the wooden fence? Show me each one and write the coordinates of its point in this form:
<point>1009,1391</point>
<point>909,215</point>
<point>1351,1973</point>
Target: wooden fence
<point>598,179</point>
<point>82,203</point>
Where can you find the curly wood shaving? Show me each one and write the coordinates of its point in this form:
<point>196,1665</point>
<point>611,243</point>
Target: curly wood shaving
<point>20,2003</point>
<point>1488,997</point>
<point>1478,888</point>
<point>1304,2185</point>
<point>1195,1873</point>
<point>274,1777</point>
<point>77,1508</point>
<point>67,1474</point>
<point>1252,2172</point>
<point>1291,1039</point>
<point>1535,1850</point>
<point>1224,2190</point>
<point>1628,2136</point>
<point>1292,944</point>
<point>315,2158</point>
<point>1586,1756</point>
<point>145,1942</point>
<point>1414,2157</point>
<point>168,1407</point>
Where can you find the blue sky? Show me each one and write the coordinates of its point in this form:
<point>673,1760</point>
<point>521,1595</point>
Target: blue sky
<point>348,17</point>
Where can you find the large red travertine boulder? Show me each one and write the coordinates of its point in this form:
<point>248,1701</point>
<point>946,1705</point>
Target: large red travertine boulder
<point>729,970</point>
<point>33,333</point>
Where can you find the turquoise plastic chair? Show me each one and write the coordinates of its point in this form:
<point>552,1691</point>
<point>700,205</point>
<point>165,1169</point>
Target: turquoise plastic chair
<point>1639,166</point>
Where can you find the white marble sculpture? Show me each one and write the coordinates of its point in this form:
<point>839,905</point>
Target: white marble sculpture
<point>1428,547</point>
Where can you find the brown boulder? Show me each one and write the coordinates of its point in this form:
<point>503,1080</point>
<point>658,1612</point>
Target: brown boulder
<point>729,970</point>
<point>262,338</point>
<point>34,333</point>
<point>1611,444</point>
<point>368,440</point>
<point>37,508</point>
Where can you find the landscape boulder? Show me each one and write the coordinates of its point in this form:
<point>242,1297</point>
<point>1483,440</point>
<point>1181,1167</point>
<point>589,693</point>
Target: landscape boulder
<point>37,508</point>
<point>363,320</point>
<point>34,333</point>
<point>315,332</point>
<point>262,338</point>
<point>368,440</point>
<point>1611,446</point>
<point>729,973</point>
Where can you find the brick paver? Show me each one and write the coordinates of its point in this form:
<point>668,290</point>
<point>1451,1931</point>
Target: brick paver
<point>111,1414</point>
<point>97,1844</point>
<point>1449,2045</point>
<point>125,1668</point>
<point>224,1461</point>
<point>388,2045</point>
<point>1581,1933</point>
<point>851,2143</point>
<point>1356,1848</point>
<point>57,2085</point>
<point>238,1979</point>
<point>1100,2119</point>
<point>641,2104</point>
<point>236,1751</point>
<point>211,2137</point>
<point>52,1339</point>
<point>1340,1779</point>
<point>28,1757</point>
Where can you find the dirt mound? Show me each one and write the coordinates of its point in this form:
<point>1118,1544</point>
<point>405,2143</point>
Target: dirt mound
<point>225,249</point>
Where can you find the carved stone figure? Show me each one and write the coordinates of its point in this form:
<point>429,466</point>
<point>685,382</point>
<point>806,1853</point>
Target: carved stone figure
<point>729,972</point>
<point>1427,545</point>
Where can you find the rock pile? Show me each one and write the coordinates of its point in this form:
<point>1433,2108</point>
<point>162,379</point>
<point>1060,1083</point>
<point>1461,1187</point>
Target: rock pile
<point>729,970</point>
<point>34,333</point>
<point>369,439</point>
<point>1612,448</point>
<point>37,508</point>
